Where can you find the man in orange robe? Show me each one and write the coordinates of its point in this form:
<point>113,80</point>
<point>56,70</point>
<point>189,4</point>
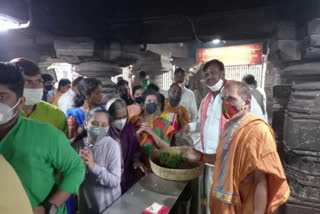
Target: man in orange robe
<point>248,176</point>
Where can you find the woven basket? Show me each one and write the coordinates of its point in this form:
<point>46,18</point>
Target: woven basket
<point>174,174</point>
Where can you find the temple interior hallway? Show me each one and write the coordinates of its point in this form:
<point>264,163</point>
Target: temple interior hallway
<point>277,42</point>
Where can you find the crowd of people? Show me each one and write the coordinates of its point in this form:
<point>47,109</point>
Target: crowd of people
<point>66,152</point>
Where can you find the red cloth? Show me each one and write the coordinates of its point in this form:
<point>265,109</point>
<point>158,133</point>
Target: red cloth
<point>153,210</point>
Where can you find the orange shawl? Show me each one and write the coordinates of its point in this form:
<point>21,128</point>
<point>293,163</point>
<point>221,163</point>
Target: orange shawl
<point>246,145</point>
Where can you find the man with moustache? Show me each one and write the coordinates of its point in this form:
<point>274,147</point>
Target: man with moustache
<point>248,175</point>
<point>172,105</point>
<point>210,122</point>
<point>188,98</point>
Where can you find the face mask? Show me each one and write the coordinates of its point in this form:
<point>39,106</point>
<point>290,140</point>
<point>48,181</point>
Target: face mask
<point>97,133</point>
<point>126,98</point>
<point>119,124</point>
<point>217,86</point>
<point>229,110</point>
<point>139,100</point>
<point>174,102</point>
<point>151,108</point>
<point>33,96</point>
<point>145,84</point>
<point>6,113</point>
<point>48,87</point>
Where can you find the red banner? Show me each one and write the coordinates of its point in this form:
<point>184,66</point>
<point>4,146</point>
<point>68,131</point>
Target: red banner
<point>233,55</point>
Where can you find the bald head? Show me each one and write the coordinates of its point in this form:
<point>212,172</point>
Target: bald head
<point>241,88</point>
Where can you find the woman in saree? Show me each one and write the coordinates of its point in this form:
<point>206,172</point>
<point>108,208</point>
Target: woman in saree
<point>90,96</point>
<point>154,132</point>
<point>172,117</point>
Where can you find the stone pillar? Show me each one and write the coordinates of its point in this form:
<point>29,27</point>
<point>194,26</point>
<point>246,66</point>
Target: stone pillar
<point>302,144</point>
<point>153,64</point>
<point>284,50</point>
<point>296,112</point>
<point>103,72</point>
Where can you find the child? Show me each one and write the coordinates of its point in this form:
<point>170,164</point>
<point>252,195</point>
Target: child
<point>102,157</point>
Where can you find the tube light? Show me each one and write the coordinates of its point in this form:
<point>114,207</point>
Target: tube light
<point>216,41</point>
<point>9,23</point>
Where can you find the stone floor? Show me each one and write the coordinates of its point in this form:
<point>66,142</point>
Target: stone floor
<point>296,209</point>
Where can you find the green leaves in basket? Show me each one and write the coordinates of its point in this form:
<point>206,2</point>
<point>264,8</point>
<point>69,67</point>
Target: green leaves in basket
<point>172,160</point>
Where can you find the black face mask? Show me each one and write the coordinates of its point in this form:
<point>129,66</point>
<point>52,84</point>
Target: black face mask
<point>127,99</point>
<point>48,87</point>
<point>174,102</point>
<point>139,100</point>
<point>151,108</point>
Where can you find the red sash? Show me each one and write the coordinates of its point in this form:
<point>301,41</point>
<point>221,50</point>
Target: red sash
<point>204,110</point>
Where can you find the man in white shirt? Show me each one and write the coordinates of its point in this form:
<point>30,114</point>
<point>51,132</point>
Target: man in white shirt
<point>66,100</point>
<point>258,93</point>
<point>210,122</point>
<point>188,98</point>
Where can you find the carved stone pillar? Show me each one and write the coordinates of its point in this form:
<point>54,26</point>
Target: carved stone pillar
<point>301,136</point>
<point>296,115</point>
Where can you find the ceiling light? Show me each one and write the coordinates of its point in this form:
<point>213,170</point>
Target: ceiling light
<point>9,23</point>
<point>216,41</point>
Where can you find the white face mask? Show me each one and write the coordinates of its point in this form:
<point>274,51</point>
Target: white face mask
<point>33,96</point>
<point>6,113</point>
<point>217,86</point>
<point>119,124</point>
<point>97,133</point>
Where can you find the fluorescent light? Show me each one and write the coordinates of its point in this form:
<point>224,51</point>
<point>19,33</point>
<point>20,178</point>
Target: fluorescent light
<point>9,23</point>
<point>216,41</point>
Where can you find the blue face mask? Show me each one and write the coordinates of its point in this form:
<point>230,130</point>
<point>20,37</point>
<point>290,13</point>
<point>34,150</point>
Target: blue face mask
<point>151,108</point>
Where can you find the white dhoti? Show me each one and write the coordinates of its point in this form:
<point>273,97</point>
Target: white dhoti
<point>205,187</point>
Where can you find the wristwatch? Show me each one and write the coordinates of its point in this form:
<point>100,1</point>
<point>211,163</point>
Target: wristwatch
<point>50,208</point>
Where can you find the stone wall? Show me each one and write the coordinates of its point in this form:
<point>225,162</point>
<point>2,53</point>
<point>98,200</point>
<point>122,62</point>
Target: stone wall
<point>294,55</point>
<point>90,58</point>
